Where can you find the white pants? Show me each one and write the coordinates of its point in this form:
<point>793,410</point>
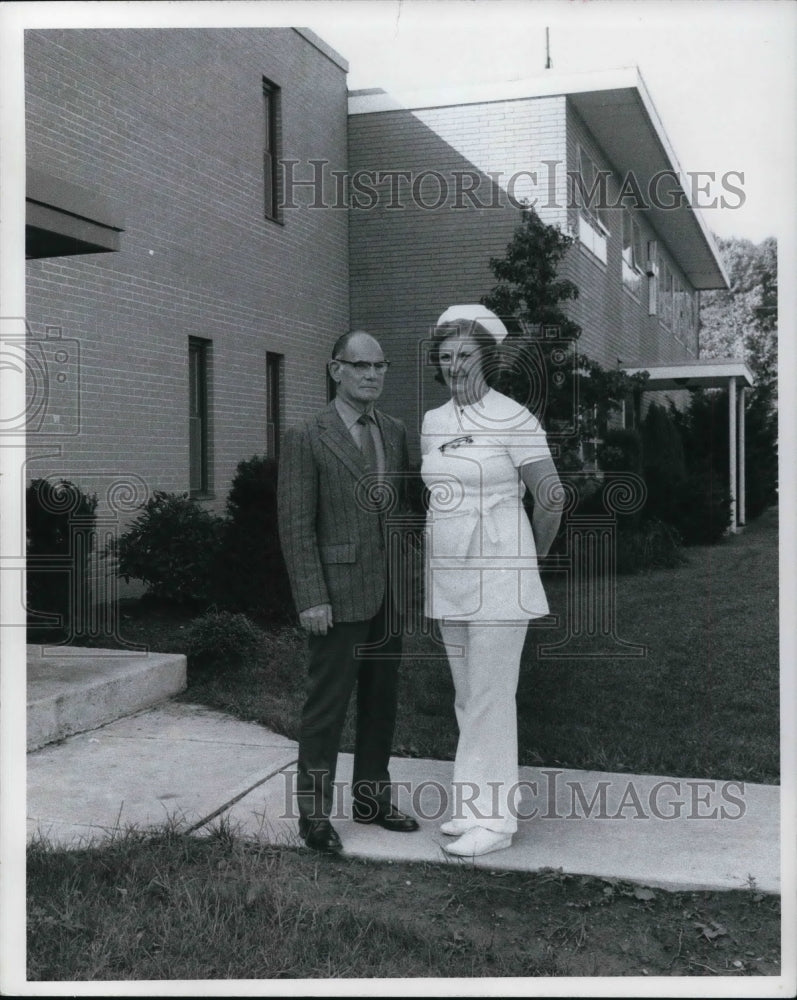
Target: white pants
<point>485,661</point>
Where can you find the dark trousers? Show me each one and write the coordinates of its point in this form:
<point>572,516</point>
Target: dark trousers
<point>334,669</point>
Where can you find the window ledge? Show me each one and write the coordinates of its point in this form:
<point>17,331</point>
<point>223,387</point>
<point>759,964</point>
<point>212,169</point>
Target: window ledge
<point>592,239</point>
<point>592,256</point>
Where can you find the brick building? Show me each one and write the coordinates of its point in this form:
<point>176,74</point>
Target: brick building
<point>209,324</point>
<point>209,209</point>
<point>454,169</point>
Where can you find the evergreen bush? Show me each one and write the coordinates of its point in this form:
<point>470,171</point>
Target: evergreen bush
<point>54,512</point>
<point>250,569</point>
<point>761,456</point>
<point>221,640</point>
<point>651,544</point>
<point>172,546</point>
<point>621,451</point>
<point>664,465</point>
<point>704,505</point>
<point>704,513</point>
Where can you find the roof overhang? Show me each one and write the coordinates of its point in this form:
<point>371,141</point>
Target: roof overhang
<point>709,374</point>
<point>617,109</point>
<point>62,219</point>
<point>627,127</point>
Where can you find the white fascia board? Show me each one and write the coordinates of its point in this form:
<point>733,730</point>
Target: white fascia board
<point>482,93</point>
<point>709,373</point>
<point>669,154</point>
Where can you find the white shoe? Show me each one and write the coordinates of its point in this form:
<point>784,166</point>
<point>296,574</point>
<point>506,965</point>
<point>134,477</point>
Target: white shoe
<point>478,841</point>
<point>455,827</point>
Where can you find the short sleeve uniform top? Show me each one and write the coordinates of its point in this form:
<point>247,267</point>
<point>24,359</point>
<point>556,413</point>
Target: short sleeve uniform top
<point>481,563</point>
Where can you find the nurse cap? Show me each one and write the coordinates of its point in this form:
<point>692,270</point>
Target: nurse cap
<point>491,323</point>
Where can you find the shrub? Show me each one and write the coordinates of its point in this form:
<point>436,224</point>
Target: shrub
<point>704,512</point>
<point>650,545</point>
<point>221,640</point>
<point>664,465</point>
<point>56,565</point>
<point>173,547</point>
<point>250,569</point>
<point>704,503</point>
<point>761,456</point>
<point>621,451</point>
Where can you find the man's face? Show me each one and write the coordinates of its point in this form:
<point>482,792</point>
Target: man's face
<point>359,383</point>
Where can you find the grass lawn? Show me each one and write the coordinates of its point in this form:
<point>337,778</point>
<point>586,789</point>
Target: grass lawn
<point>171,906</point>
<point>702,702</point>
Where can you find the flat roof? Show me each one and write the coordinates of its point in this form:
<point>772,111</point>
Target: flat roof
<point>317,42</point>
<point>617,109</point>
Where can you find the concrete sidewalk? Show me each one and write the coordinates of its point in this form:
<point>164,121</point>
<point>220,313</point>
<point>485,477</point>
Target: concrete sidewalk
<point>189,764</point>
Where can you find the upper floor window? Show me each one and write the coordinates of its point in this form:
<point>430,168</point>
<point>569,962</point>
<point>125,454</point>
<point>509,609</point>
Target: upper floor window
<point>677,308</point>
<point>590,193</point>
<point>271,150</point>
<point>652,270</point>
<point>684,315</point>
<point>665,295</point>
<point>634,260</point>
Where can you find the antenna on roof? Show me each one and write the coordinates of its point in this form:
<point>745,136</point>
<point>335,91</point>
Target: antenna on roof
<point>548,63</point>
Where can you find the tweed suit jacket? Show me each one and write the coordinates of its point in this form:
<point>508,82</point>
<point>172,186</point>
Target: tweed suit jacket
<point>332,543</point>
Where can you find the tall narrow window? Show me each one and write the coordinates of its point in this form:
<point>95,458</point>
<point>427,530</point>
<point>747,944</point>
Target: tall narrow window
<point>271,141</point>
<point>632,253</point>
<point>589,194</point>
<point>273,403</point>
<point>665,293</point>
<point>198,360</point>
<point>652,270</point>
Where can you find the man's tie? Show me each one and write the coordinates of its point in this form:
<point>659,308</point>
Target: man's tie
<point>367,445</point>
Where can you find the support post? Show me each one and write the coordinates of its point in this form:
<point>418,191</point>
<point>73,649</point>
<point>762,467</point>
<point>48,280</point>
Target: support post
<point>742,477</point>
<point>732,456</point>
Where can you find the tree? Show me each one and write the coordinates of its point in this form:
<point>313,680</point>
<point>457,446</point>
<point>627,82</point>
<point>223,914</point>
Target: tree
<point>540,367</point>
<point>743,323</point>
<point>528,284</point>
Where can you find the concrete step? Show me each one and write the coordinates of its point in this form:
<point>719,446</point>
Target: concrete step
<point>72,689</point>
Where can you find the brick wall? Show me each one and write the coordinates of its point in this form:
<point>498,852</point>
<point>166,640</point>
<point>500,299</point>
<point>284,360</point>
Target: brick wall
<point>410,262</point>
<point>169,124</point>
<point>616,324</point>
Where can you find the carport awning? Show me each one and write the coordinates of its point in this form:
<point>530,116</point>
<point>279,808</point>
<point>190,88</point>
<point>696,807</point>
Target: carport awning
<point>712,373</point>
<point>62,218</point>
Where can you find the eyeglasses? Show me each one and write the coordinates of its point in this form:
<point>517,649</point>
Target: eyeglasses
<point>362,367</point>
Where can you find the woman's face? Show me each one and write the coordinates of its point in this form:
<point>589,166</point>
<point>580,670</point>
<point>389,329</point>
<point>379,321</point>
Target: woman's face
<point>461,366</point>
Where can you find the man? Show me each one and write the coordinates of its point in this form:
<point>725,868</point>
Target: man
<point>333,541</point>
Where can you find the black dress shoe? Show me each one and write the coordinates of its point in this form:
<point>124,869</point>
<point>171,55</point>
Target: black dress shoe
<point>386,816</point>
<point>320,835</point>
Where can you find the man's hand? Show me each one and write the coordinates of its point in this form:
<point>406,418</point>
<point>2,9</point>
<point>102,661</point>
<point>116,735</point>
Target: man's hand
<point>317,620</point>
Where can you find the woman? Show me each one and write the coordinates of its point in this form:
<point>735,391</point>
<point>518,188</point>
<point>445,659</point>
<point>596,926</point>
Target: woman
<point>481,451</point>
